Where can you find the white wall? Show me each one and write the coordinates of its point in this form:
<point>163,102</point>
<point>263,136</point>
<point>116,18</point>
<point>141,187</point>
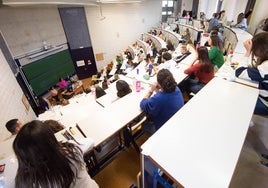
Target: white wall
<point>25,29</point>
<point>202,7</point>
<point>11,99</point>
<point>123,25</point>
<point>211,8</point>
<point>186,5</point>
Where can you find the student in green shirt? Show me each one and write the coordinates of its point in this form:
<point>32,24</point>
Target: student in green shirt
<point>215,52</point>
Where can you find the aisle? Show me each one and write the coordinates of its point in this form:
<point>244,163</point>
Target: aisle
<point>123,170</point>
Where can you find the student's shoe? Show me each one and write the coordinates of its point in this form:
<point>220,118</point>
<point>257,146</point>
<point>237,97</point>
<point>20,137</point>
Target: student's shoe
<point>133,186</point>
<point>264,163</point>
<point>264,156</point>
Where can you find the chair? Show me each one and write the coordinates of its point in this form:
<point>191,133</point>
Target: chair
<point>133,130</point>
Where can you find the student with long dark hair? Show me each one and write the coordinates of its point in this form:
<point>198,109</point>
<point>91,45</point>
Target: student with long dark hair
<point>43,162</point>
<point>203,72</point>
<point>161,106</point>
<point>215,52</point>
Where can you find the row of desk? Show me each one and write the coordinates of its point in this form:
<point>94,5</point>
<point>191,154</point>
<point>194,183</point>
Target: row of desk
<point>200,145</point>
<point>101,122</point>
<point>106,117</point>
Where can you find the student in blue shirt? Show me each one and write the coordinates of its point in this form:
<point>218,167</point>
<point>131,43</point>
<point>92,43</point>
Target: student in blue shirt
<point>161,106</point>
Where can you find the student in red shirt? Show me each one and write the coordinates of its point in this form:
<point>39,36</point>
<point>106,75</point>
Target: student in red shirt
<point>203,72</point>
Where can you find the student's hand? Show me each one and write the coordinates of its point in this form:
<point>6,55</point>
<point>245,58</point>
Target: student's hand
<point>154,87</point>
<point>248,47</point>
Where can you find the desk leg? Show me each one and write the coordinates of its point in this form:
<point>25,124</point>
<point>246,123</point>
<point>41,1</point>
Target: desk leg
<point>128,139</point>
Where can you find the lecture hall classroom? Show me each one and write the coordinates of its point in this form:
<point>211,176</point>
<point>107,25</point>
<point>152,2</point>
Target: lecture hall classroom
<point>80,40</point>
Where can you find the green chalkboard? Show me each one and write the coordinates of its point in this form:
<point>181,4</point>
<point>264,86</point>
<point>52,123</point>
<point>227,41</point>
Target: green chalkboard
<point>44,73</point>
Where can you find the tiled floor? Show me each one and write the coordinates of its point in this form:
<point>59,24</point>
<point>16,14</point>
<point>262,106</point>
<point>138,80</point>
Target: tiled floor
<point>249,173</point>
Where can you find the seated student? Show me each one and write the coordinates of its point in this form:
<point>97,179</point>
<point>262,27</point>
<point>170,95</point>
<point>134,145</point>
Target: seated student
<point>122,88</point>
<point>184,53</point>
<point>54,125</point>
<point>213,22</point>
<point>43,161</point>
<point>185,35</point>
<point>147,60</point>
<point>160,53</point>
<point>203,70</point>
<point>62,83</point>
<point>43,105</point>
<point>160,35</point>
<point>191,48</point>
<point>177,29</point>
<point>14,126</point>
<point>215,52</point>
<point>99,92</point>
<point>241,22</point>
<point>154,50</point>
<point>128,55</point>
<point>141,55</point>
<point>170,46</point>
<point>215,32</point>
<point>257,47</point>
<point>85,144</point>
<point>222,18</point>
<point>167,62</point>
<point>202,18</point>
<point>54,93</point>
<point>148,64</point>
<point>163,104</point>
<point>187,15</point>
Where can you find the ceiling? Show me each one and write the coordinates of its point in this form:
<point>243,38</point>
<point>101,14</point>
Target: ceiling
<point>65,2</point>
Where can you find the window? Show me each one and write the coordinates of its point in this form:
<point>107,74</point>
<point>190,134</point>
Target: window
<point>167,9</point>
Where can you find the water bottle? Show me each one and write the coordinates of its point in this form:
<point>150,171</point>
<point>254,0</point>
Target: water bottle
<point>138,86</point>
<point>138,71</point>
<point>150,69</point>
